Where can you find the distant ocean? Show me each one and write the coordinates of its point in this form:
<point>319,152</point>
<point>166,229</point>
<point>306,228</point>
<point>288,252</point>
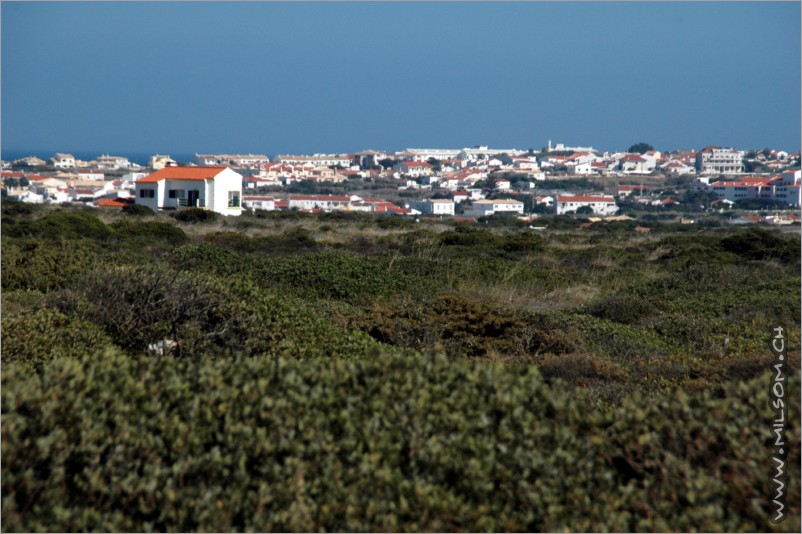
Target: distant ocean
<point>136,157</point>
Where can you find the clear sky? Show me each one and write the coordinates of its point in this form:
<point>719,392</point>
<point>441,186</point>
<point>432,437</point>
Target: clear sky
<point>337,77</point>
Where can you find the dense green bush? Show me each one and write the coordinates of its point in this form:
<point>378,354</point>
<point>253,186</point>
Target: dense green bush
<point>195,215</point>
<point>66,223</point>
<point>137,210</point>
<point>43,335</point>
<point>150,232</point>
<point>44,265</point>
<point>399,443</point>
<point>758,244</point>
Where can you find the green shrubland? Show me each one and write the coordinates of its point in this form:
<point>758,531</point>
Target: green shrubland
<point>297,372</point>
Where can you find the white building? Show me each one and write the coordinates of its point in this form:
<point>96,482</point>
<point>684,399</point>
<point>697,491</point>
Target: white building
<point>485,208</point>
<point>110,163</point>
<point>579,168</point>
<point>235,160</point>
<point>218,189</point>
<point>601,205</point>
<point>63,161</point>
<point>413,169</point>
<point>319,202</point>
<point>257,202</point>
<point>317,160</point>
<point>635,164</point>
<point>433,206</point>
<point>159,161</point>
<point>717,160</point>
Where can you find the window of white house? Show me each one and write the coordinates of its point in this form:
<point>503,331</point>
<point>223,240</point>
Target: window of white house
<point>147,193</point>
<point>175,193</point>
<point>233,199</point>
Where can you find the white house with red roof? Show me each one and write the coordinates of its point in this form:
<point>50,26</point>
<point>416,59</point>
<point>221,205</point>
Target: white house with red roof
<point>218,189</point>
<point>601,205</point>
<point>784,188</point>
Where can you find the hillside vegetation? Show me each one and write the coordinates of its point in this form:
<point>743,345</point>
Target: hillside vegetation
<point>292,372</point>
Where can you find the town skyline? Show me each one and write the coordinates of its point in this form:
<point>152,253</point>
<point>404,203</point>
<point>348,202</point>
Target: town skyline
<point>337,77</point>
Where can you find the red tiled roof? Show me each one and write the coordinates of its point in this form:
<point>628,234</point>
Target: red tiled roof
<point>182,173</point>
<point>111,202</point>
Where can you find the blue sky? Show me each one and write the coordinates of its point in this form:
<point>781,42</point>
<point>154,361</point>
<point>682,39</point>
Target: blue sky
<point>337,77</point>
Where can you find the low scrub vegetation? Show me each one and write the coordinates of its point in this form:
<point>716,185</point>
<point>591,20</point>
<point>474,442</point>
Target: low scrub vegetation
<point>296,372</point>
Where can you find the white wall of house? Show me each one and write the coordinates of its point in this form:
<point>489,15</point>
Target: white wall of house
<point>259,203</point>
<point>434,206</point>
<point>153,201</point>
<point>601,206</point>
<point>225,186</point>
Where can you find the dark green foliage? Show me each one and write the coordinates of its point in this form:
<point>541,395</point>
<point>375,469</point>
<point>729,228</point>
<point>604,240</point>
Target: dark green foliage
<point>43,335</point>
<point>295,396</point>
<point>13,210</point>
<point>195,215</point>
<point>640,148</point>
<point>65,223</point>
<point>331,274</point>
<point>44,265</point>
<point>139,306</point>
<point>394,443</point>
<point>758,244</point>
<point>137,210</point>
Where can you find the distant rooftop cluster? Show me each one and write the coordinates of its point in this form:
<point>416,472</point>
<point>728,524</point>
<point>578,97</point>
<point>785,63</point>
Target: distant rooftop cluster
<point>473,182</point>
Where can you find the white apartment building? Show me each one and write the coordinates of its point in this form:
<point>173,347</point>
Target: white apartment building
<point>317,160</point>
<point>413,169</point>
<point>485,208</point>
<point>601,205</point>
<point>720,161</point>
<point>110,163</point>
<point>258,202</point>
<point>236,160</point>
<point>319,202</point>
<point>433,206</point>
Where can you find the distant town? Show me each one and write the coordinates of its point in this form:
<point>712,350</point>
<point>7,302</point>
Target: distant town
<point>759,186</point>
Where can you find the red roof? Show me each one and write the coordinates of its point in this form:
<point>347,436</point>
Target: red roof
<point>632,157</point>
<point>182,173</point>
<point>584,198</point>
<point>111,202</point>
<point>8,174</point>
